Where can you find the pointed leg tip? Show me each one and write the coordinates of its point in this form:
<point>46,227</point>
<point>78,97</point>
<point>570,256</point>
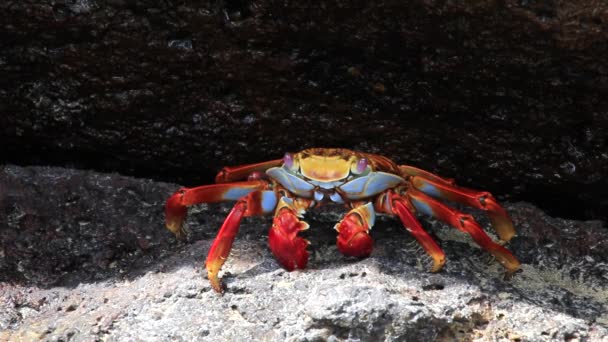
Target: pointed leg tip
<point>175,213</point>
<point>437,265</point>
<point>215,282</point>
<point>181,235</point>
<point>509,274</point>
<point>175,226</point>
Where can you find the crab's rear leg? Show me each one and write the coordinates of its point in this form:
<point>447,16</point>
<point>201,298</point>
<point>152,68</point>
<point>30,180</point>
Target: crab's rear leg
<point>465,223</point>
<point>408,170</point>
<point>446,189</point>
<point>401,207</point>
<point>242,172</point>
<point>176,206</point>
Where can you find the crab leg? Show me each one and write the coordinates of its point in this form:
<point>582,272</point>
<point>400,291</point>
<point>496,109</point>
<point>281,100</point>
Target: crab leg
<point>176,206</point>
<point>246,206</point>
<point>353,229</point>
<point>465,223</point>
<point>407,170</point>
<point>241,172</point>
<point>287,247</point>
<point>400,207</point>
<point>477,199</point>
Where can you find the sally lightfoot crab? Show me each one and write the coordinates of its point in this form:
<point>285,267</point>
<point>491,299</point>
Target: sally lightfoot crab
<point>365,183</point>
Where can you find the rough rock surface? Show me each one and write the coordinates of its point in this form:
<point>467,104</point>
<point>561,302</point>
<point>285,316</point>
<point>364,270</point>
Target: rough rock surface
<point>85,257</point>
<point>508,95</point>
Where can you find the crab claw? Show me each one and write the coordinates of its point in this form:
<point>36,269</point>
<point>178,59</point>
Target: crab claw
<point>287,247</point>
<point>353,237</point>
<point>175,212</point>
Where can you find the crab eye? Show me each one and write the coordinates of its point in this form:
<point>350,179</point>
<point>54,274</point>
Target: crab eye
<point>361,166</point>
<point>288,160</point>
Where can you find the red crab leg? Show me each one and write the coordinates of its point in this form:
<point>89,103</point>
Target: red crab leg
<point>477,199</point>
<point>176,206</point>
<point>353,229</point>
<point>407,170</point>
<point>245,206</point>
<point>241,172</point>
<point>287,247</point>
<point>400,207</point>
<point>465,223</point>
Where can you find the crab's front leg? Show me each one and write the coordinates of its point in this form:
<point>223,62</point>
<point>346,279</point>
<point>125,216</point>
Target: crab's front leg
<point>176,206</point>
<point>253,198</point>
<point>255,203</point>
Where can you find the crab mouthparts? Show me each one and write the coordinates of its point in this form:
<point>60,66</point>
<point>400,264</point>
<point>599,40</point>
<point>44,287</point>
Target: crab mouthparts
<point>321,194</point>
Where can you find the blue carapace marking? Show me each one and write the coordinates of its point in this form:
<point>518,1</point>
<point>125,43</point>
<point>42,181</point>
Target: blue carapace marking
<point>269,201</point>
<point>422,207</point>
<point>290,182</point>
<point>234,194</point>
<point>371,184</point>
<point>430,189</point>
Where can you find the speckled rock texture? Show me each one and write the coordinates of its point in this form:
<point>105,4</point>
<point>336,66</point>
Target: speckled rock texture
<point>509,96</point>
<point>85,257</point>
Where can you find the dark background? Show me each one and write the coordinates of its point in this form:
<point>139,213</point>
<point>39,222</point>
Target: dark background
<point>506,96</point>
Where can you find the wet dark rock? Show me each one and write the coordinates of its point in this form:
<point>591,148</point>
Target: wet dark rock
<point>53,289</point>
<point>509,96</point>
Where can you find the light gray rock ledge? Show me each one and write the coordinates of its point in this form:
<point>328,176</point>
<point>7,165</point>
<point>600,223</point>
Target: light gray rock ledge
<point>135,282</point>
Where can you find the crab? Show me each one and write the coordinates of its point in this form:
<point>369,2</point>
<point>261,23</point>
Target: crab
<point>366,184</point>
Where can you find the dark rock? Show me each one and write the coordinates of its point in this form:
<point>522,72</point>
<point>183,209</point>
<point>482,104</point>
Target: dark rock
<point>509,96</point>
<point>162,293</point>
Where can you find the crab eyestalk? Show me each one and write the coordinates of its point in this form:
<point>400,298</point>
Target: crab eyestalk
<point>288,160</point>
<point>291,162</point>
<point>360,166</point>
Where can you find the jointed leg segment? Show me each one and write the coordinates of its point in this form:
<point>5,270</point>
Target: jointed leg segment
<point>417,197</point>
<point>400,208</point>
<point>477,199</point>
<point>252,199</point>
<point>176,206</point>
<point>239,173</point>
<point>223,244</point>
<point>465,223</point>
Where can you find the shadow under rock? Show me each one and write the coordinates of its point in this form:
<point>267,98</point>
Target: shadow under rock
<point>62,227</point>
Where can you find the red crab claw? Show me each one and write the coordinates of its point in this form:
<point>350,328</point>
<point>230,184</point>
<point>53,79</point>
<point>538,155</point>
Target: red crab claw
<point>353,237</point>
<point>287,247</point>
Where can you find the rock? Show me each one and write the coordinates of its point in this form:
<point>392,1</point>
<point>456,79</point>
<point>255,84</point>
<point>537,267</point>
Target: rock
<point>508,96</point>
<point>161,293</point>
